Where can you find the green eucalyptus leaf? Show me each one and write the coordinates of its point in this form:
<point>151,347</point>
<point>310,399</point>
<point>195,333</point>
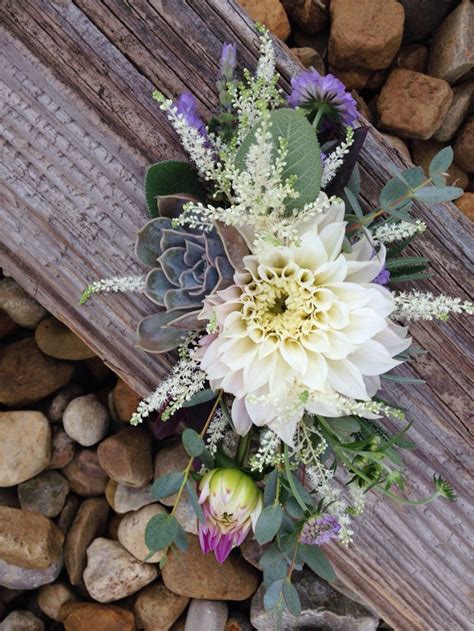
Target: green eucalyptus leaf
<point>433,194</point>
<point>303,158</point>
<point>268,524</point>
<point>269,492</point>
<point>393,194</point>
<point>275,571</point>
<point>292,598</point>
<point>413,176</point>
<point>441,162</point>
<point>181,540</point>
<point>203,396</point>
<point>161,531</point>
<point>168,484</point>
<point>317,561</point>
<point>271,556</point>
<point>192,443</point>
<point>354,202</point>
<point>273,595</point>
<point>170,177</point>
<point>294,509</point>
<point>206,459</point>
<point>195,502</point>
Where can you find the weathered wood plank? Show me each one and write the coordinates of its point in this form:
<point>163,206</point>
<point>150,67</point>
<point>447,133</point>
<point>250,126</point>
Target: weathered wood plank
<point>78,131</point>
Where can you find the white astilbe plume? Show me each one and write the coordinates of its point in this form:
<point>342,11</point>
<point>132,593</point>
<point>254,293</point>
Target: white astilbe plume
<point>419,305</point>
<point>114,285</point>
<point>334,160</point>
<point>268,453</point>
<point>266,60</point>
<point>216,431</point>
<point>392,232</point>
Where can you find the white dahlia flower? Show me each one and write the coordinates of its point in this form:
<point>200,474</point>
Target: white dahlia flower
<point>302,326</point>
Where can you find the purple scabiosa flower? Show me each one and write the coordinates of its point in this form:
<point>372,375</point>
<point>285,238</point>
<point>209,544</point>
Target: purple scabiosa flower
<point>319,530</point>
<point>312,90</point>
<point>383,277</point>
<point>228,62</point>
<point>186,106</point>
<point>231,503</point>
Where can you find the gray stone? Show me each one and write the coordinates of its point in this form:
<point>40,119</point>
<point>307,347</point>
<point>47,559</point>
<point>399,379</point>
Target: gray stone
<point>124,498</point>
<point>452,47</point>
<point>22,621</point>
<point>86,420</point>
<point>206,614</point>
<point>61,400</point>
<point>16,577</point>
<point>45,494</point>
<point>20,306</point>
<point>461,105</point>
<point>322,608</point>
<point>423,16</point>
<point>113,573</point>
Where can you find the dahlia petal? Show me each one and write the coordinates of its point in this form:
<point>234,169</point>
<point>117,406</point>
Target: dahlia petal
<point>240,417</point>
<point>332,237</point>
<point>373,359</point>
<point>223,548</point>
<point>294,355</point>
<point>346,379</point>
<point>332,272</point>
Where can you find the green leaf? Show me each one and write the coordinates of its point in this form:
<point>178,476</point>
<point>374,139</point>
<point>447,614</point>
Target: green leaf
<point>166,485</point>
<point>412,275</point>
<point>401,379</point>
<point>195,502</point>
<point>206,459</point>
<point>203,396</point>
<point>413,176</point>
<point>192,442</point>
<point>407,262</point>
<point>441,162</point>
<point>394,194</point>
<point>275,571</point>
<point>294,509</point>
<point>269,492</point>
<point>170,177</point>
<point>303,157</point>
<point>273,595</point>
<point>271,556</point>
<point>316,560</point>
<point>181,540</point>
<point>268,524</point>
<point>344,424</point>
<point>292,598</point>
<point>433,194</point>
<point>353,201</point>
<point>161,531</point>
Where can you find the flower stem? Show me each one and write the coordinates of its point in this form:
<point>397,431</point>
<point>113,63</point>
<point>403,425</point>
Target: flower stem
<point>242,448</point>
<point>317,118</point>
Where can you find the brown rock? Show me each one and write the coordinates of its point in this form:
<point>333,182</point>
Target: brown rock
<point>399,145</point>
<point>270,13</point>
<point>462,100</point>
<point>126,456</point>
<point>56,340</point>
<point>362,106</point>
<point>423,151</point>
<point>28,540</point>
<point>184,571</point>
<point>52,597</point>
<point>376,80</point>
<point>85,475</point>
<point>365,33</point>
<point>26,375</point>
<point>123,498</point>
<point>156,608</point>
<point>25,446</point>
<point>22,621</point>
<point>353,79</point>
<point>464,147</point>
<point>310,15</point>
<point>7,325</point>
<point>310,58</point>
<point>412,104</point>
<point>63,448</point>
<point>66,516</point>
<point>170,458</point>
<point>22,308</point>
<point>451,50</point>
<point>89,523</point>
<point>412,57</point>
<point>91,617</point>
<point>45,493</point>
<point>126,400</point>
<point>112,528</point>
<point>319,42</point>
<point>61,399</point>
<point>465,203</point>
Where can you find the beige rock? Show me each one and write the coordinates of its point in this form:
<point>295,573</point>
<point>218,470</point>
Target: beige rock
<point>463,99</point>
<point>26,375</point>
<point>126,400</point>
<point>92,617</point>
<point>310,15</point>
<point>131,532</point>
<point>412,57</point>
<point>310,58</point>
<point>7,325</point>
<point>45,493</point>
<point>399,145</point>
<point>89,523</point>
<point>353,79</point>
<point>423,151</point>
<point>17,577</point>
<point>126,457</point>
<point>171,457</point>
<point>124,498</point>
<point>85,475</point>
<point>86,420</point>
<point>412,104</point>
<point>464,147</point>
<point>22,621</point>
<point>28,540</point>
<point>113,573</point>
<point>271,13</point>
<point>365,33</point>
<point>232,580</point>
<point>25,446</point>
<point>451,49</point>
<point>156,608</point>
<point>22,308</point>
<point>465,203</point>
<point>206,614</point>
<point>63,448</point>
<point>56,340</point>
<point>52,597</point>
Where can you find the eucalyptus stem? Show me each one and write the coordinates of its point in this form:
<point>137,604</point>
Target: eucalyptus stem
<point>291,482</point>
<point>243,448</point>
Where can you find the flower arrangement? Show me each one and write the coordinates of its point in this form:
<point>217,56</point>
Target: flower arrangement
<point>279,291</point>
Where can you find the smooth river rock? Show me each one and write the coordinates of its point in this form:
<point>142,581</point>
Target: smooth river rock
<point>51,599</point>
<point>85,475</point>
<point>95,617</point>
<point>56,340</point>
<point>131,532</point>
<point>22,621</point>
<point>22,308</point>
<point>45,493</point>
<point>206,614</point>
<point>126,456</point>
<point>156,608</point>
<point>86,420</point>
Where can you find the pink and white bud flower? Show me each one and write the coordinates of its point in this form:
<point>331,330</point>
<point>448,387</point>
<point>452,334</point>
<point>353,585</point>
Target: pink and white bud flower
<point>231,503</point>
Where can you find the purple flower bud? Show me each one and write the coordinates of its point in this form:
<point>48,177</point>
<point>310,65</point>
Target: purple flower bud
<point>187,107</point>
<point>319,530</point>
<point>228,62</point>
<point>383,277</point>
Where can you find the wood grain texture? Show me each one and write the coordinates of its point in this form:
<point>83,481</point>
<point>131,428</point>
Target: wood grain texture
<point>78,131</point>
